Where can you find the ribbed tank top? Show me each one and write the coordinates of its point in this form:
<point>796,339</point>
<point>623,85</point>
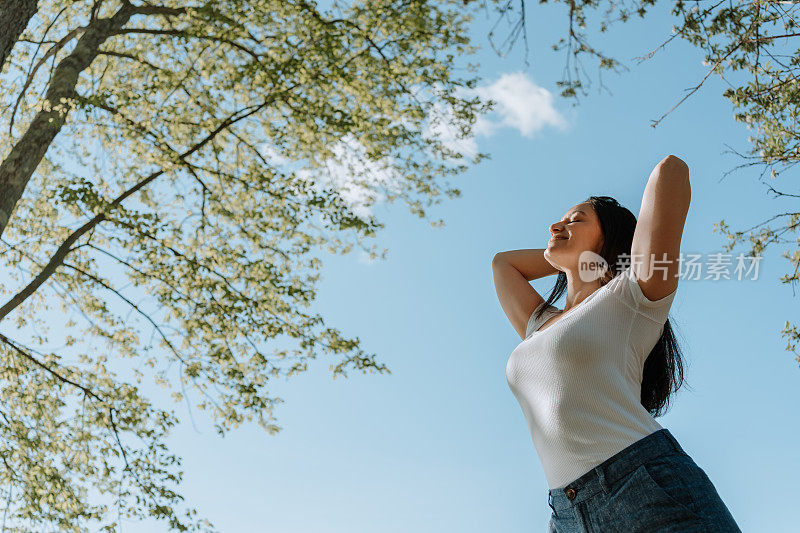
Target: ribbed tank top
<point>579,379</point>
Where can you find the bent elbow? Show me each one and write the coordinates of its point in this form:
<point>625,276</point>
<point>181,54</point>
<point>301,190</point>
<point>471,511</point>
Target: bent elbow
<point>497,259</point>
<point>674,166</point>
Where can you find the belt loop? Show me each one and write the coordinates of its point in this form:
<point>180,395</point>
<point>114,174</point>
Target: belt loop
<point>601,477</point>
<point>672,440</point>
<point>549,496</point>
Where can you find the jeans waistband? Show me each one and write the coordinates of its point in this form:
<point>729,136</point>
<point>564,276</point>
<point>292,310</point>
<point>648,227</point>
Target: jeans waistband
<point>602,477</point>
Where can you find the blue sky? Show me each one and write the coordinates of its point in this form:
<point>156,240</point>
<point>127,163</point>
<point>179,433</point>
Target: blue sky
<point>440,444</point>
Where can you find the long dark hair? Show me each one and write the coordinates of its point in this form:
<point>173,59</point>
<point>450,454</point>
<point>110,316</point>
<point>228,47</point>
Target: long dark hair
<point>663,368</point>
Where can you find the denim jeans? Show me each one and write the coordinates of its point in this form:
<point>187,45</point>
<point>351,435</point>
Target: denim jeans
<point>651,486</point>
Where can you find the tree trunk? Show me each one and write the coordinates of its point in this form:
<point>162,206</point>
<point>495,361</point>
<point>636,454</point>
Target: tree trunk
<point>14,17</point>
<point>18,167</point>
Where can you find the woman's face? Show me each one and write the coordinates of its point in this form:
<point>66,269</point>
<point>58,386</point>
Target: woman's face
<point>578,231</point>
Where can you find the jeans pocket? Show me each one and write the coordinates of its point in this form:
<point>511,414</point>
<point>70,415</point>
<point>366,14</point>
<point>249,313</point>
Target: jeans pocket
<point>672,479</point>
<point>638,503</point>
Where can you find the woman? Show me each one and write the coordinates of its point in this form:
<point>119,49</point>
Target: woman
<point>591,378</point>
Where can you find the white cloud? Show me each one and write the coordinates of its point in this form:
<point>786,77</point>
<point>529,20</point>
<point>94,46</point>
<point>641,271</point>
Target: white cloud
<point>355,175</point>
<point>520,104</point>
<point>441,126</point>
<point>364,258</point>
<point>272,155</point>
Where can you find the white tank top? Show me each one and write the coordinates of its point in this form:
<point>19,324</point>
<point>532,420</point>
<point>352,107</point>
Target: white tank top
<point>579,379</point>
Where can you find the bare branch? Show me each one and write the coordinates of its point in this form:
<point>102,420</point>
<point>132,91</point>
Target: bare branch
<point>696,88</point>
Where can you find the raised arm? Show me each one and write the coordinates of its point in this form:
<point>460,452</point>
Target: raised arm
<point>657,239</point>
<point>512,271</point>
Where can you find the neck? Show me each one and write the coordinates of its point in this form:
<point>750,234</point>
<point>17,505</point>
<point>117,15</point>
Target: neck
<point>578,289</point>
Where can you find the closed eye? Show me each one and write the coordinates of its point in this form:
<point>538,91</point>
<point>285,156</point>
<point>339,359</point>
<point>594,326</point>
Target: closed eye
<point>576,219</point>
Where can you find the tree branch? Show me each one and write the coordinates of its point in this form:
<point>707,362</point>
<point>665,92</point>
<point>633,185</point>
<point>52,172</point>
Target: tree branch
<point>180,33</point>
<point>85,390</point>
<point>60,254</point>
<point>51,52</point>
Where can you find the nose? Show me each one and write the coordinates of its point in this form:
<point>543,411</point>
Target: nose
<point>555,229</point>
